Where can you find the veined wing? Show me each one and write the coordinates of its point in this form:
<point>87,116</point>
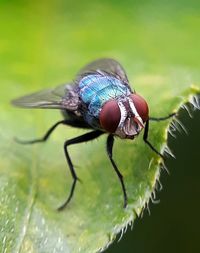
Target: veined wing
<point>107,65</point>
<point>62,97</point>
<point>66,96</point>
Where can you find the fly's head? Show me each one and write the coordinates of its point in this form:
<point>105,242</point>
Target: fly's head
<point>124,117</point>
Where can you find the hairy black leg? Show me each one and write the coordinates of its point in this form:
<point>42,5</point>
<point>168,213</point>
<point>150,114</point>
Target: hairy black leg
<point>162,118</point>
<point>83,138</point>
<point>146,130</point>
<point>110,142</point>
<point>145,138</point>
<point>45,137</point>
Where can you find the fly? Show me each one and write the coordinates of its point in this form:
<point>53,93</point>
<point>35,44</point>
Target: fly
<point>100,98</point>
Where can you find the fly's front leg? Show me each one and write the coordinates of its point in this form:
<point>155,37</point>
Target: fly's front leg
<point>146,131</point>
<point>162,118</point>
<point>83,138</point>
<point>145,138</point>
<point>110,142</point>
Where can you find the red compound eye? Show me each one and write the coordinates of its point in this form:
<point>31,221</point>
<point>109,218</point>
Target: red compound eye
<point>141,106</point>
<point>110,116</point>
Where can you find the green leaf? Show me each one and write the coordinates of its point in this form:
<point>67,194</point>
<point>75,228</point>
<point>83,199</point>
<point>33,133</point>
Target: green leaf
<point>44,45</point>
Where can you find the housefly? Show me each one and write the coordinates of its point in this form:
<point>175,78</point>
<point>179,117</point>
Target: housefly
<point>100,98</point>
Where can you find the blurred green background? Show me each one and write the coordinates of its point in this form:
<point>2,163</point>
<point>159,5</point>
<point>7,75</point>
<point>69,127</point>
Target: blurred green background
<point>155,39</point>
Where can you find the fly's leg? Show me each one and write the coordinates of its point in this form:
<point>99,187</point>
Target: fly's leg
<point>145,138</point>
<point>146,130</point>
<point>45,137</point>
<point>110,142</point>
<point>162,118</point>
<point>83,138</point>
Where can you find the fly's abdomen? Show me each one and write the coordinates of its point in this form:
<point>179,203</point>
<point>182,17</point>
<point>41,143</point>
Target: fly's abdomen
<point>97,89</point>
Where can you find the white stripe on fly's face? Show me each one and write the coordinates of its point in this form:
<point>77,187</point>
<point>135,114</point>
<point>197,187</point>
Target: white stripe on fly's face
<point>127,127</point>
<point>123,114</point>
<point>134,111</point>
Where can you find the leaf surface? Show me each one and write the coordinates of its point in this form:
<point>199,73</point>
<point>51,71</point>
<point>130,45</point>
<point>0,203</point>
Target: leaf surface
<point>35,180</point>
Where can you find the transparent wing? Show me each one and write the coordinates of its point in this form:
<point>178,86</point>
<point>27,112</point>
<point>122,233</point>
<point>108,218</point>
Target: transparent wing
<point>66,96</point>
<point>106,65</point>
<point>62,97</point>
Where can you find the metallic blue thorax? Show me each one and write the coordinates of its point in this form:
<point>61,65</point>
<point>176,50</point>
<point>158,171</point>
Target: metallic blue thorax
<point>96,89</point>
